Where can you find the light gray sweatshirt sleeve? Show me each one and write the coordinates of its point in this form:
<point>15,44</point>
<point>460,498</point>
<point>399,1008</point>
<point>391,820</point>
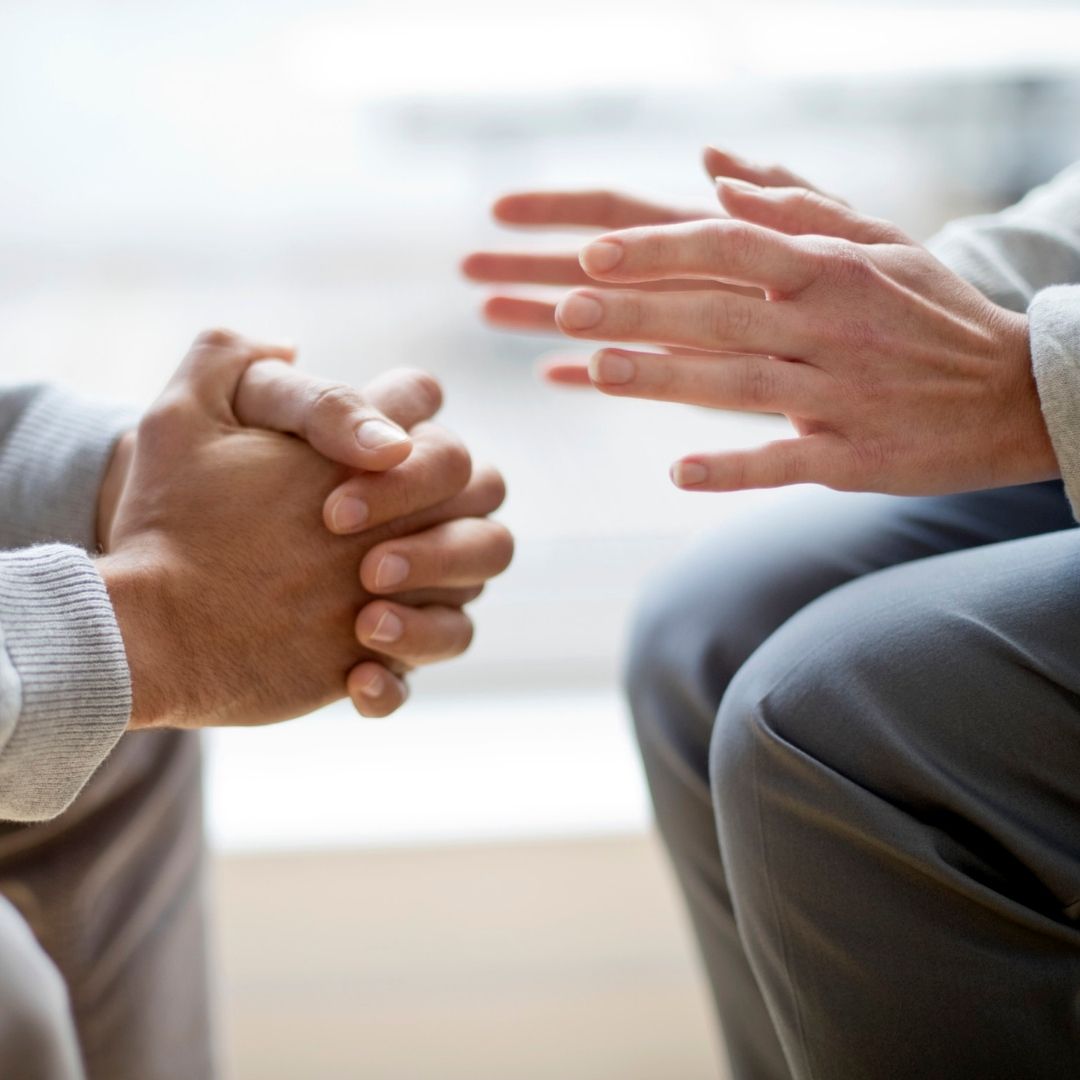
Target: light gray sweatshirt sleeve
<point>65,693</point>
<point>1028,258</point>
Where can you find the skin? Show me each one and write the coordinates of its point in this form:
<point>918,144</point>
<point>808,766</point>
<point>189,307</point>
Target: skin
<point>896,374</point>
<point>236,602</point>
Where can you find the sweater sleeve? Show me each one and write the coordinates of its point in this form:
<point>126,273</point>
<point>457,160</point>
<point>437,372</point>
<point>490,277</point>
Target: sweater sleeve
<point>1012,255</point>
<point>54,450</point>
<point>65,693</point>
<point>1028,258</point>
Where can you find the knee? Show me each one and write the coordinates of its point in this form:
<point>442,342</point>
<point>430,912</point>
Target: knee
<point>837,695</point>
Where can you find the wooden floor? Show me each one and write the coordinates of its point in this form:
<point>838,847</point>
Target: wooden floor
<point>541,961</point>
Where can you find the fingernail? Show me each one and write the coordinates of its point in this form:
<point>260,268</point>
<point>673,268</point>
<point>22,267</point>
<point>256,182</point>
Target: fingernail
<point>375,434</point>
<point>613,368</point>
<point>393,570</point>
<point>688,473</point>
<point>349,514</point>
<point>577,312</point>
<point>738,185</point>
<point>388,628</point>
<point>374,686</point>
<point>602,256</point>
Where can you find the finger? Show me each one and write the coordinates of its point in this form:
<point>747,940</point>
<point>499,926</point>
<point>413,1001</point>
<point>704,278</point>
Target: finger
<point>497,267</point>
<point>801,211</point>
<point>562,370</point>
<point>702,320</point>
<point>444,597</point>
<point>746,383</point>
<point>520,316</point>
<point>812,459</point>
<point>586,209</point>
<point>374,690</point>
<point>414,636</point>
<point>337,420</point>
<point>463,552</point>
<point>483,495</point>
<point>722,163</point>
<point>720,250</point>
<point>216,362</point>
<point>406,395</point>
<point>528,269</point>
<point>438,468</point>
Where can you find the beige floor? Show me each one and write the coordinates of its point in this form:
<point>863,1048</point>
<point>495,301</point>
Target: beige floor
<point>541,961</point>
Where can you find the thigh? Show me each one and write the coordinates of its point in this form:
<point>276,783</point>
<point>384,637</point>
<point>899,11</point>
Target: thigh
<point>702,617</point>
<point>897,775</point>
<point>113,890</point>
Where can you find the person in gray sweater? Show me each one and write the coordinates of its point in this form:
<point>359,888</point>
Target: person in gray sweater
<point>262,542</point>
<point>859,714</point>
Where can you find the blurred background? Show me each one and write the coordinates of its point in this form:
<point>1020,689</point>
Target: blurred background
<point>472,888</point>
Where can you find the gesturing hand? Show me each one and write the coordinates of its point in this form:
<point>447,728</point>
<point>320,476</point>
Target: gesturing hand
<point>560,210</point>
<point>236,603</point>
<point>897,375</point>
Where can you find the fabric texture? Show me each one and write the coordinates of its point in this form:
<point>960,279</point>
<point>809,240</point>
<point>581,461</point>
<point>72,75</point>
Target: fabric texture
<point>114,892</point>
<point>65,693</point>
<point>869,798</point>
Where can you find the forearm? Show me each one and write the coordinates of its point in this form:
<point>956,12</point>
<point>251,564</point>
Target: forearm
<point>65,693</point>
<point>54,453</point>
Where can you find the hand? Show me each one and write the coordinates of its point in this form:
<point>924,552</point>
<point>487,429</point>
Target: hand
<point>590,210</point>
<point>897,375</point>
<point>454,559</point>
<point>560,209</point>
<point>272,394</point>
<point>236,604</point>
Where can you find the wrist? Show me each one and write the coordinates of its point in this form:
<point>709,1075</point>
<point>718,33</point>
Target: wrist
<point>137,592</point>
<point>112,487</point>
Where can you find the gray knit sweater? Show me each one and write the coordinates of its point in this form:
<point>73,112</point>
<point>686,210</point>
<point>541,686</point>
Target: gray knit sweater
<point>65,691</point>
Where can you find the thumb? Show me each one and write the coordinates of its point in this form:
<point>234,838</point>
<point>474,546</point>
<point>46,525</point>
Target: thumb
<point>215,364</point>
<point>800,211</point>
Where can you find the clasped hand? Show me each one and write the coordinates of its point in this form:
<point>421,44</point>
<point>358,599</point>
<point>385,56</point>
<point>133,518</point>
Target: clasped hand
<point>272,541</point>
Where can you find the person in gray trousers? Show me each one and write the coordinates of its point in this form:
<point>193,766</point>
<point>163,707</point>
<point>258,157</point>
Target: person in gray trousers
<point>859,713</point>
<point>224,561</point>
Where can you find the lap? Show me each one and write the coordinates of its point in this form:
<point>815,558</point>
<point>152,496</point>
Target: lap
<point>948,688</point>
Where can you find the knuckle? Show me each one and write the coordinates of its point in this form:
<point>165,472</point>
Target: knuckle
<point>849,265</point>
<point>627,312</point>
<point>491,488</point>
<point>733,242</point>
<point>465,634</point>
<point>756,384</point>
<point>453,464</point>
<point>502,547</point>
<point>423,386</point>
<point>729,318</point>
<point>217,337</point>
<point>166,419</point>
<point>333,399</point>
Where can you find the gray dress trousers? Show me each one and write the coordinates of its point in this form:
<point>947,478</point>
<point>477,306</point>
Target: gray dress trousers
<point>860,721</point>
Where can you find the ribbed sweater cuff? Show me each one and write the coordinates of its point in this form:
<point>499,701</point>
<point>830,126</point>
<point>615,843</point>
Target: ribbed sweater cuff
<point>1054,320</point>
<point>71,697</point>
<point>51,468</point>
